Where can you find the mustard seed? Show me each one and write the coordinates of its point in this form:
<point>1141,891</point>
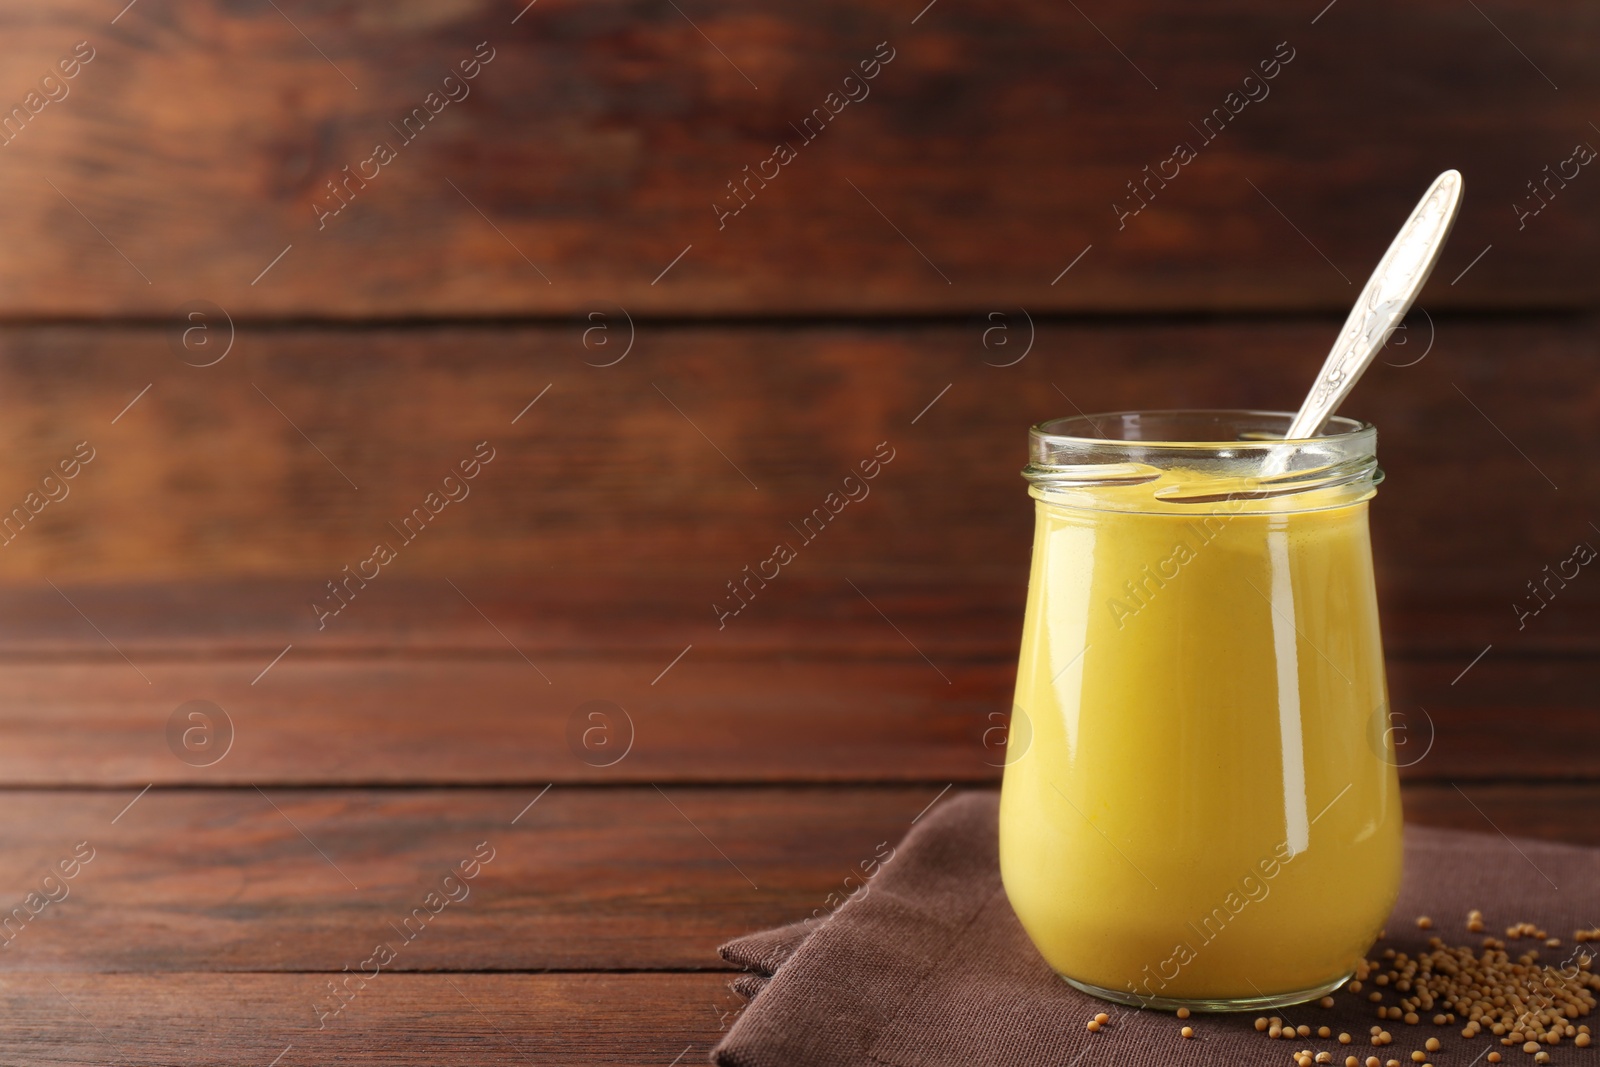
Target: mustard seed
<point>1418,1057</point>
<point>1102,1018</point>
<point>1531,1046</point>
<point>1326,1002</point>
<point>1351,1061</point>
<point>1183,1013</point>
<point>1303,1030</point>
<point>1432,1044</point>
<point>1582,1040</point>
<point>1261,1023</point>
<point>1094,1026</point>
<point>1344,1039</point>
<point>1187,1031</point>
<point>1354,986</point>
<point>1373,1061</point>
<point>1324,1057</point>
<point>1323,1031</point>
<point>1424,923</point>
<point>1494,1057</point>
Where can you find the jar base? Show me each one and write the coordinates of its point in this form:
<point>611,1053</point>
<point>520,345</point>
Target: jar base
<point>1216,1004</point>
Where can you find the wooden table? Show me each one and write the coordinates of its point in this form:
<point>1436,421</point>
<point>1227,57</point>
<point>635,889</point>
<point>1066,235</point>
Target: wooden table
<point>222,900</point>
<point>218,906</point>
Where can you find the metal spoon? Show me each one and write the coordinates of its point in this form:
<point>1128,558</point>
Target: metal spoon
<point>1387,297</point>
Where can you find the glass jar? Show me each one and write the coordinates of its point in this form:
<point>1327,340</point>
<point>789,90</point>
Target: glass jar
<point>1200,805</point>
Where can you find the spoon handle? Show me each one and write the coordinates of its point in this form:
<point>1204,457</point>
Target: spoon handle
<point>1384,301</point>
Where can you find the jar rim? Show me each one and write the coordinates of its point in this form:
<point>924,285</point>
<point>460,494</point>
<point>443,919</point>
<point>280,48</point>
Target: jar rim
<point>1349,432</point>
<point>1200,456</point>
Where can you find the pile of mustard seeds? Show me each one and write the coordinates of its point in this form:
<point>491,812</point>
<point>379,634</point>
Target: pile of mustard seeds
<point>1528,1006</point>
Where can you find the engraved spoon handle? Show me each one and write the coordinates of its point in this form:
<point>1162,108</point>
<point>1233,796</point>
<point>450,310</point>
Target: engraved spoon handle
<point>1384,301</point>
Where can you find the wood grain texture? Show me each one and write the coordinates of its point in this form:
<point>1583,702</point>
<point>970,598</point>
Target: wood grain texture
<point>636,484</point>
<point>443,722</point>
<point>254,620</point>
<point>587,879</point>
<point>1551,812</point>
<point>546,1020</point>
<point>248,880</point>
<point>591,149</point>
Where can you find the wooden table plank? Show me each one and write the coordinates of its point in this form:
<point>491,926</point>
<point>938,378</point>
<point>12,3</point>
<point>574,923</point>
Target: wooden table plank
<point>1552,811</point>
<point>601,141</point>
<point>588,878</point>
<point>617,1020</point>
<point>316,722</point>
<point>949,619</point>
<point>623,878</point>
<point>399,721</point>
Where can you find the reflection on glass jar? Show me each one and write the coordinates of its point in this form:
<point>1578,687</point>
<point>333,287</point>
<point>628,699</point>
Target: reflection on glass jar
<point>1200,818</point>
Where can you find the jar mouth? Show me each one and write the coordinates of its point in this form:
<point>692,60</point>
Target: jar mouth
<point>1159,459</point>
<point>1197,428</point>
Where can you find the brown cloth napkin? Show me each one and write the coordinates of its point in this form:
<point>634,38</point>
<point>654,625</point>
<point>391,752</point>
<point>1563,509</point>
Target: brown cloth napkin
<point>929,967</point>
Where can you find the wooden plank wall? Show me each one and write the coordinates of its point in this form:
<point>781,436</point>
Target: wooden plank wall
<point>657,480</point>
<point>599,138</point>
<point>550,282</point>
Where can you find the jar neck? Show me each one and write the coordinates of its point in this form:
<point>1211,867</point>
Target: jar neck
<point>1200,462</point>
